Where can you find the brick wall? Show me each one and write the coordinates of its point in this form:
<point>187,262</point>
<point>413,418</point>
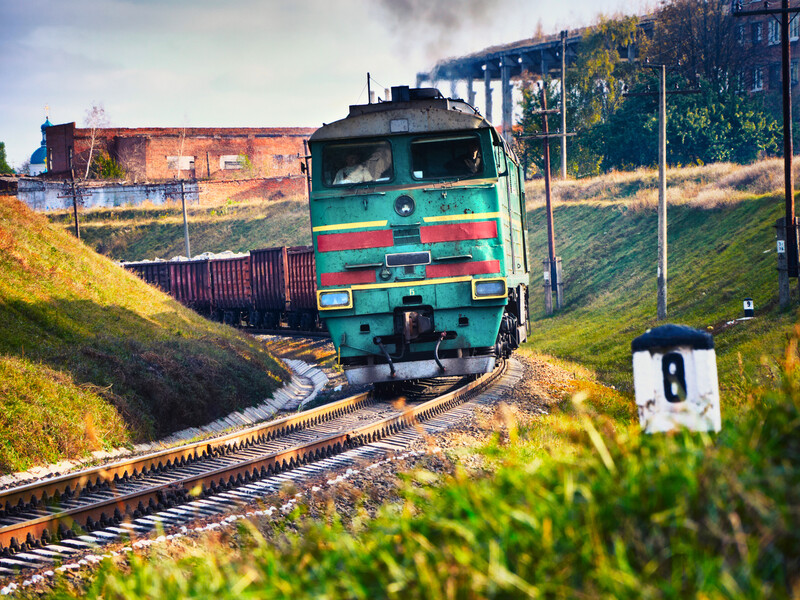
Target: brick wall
<point>144,152</point>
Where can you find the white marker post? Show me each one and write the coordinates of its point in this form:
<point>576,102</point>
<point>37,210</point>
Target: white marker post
<point>675,379</point>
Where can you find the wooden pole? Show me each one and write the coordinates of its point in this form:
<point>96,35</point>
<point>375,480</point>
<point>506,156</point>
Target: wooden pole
<point>791,230</point>
<point>662,194</point>
<point>185,221</point>
<point>563,105</point>
<point>551,241</point>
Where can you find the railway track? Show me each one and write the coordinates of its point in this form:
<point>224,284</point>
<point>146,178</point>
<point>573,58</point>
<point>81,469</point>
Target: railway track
<point>45,522</point>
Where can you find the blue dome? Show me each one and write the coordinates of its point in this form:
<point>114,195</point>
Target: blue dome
<point>38,157</point>
<point>46,124</point>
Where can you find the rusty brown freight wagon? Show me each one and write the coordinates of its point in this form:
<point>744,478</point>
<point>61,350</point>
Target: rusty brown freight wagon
<point>230,283</point>
<point>302,279</point>
<point>268,269</point>
<point>155,273</point>
<point>191,284</point>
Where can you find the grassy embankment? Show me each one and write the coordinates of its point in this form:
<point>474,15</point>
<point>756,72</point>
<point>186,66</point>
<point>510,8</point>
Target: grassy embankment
<point>578,503</point>
<point>91,357</point>
<point>721,250</point>
<point>157,232</point>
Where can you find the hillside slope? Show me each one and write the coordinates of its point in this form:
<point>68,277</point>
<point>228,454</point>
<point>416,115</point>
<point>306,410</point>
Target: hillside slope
<point>721,251</point>
<point>157,232</point>
<point>90,356</point>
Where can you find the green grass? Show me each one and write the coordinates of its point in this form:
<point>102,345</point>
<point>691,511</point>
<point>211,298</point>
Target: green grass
<point>575,505</point>
<point>91,357</point>
<point>157,232</point>
<point>719,254</point>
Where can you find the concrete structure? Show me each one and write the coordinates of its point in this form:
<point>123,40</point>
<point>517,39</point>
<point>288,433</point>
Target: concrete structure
<point>153,154</point>
<point>537,56</point>
<point>44,195</point>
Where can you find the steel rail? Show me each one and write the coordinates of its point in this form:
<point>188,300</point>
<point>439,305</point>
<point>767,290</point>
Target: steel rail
<point>28,532</point>
<point>74,482</point>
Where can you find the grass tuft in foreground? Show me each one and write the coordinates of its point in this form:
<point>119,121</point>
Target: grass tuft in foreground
<point>606,513</point>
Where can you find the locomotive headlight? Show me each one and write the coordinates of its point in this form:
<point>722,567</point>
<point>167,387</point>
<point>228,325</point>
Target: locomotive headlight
<point>333,299</point>
<point>485,289</point>
<point>404,206</point>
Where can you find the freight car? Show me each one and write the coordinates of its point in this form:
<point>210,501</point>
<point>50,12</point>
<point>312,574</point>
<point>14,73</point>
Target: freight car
<point>265,288</point>
<point>418,224</point>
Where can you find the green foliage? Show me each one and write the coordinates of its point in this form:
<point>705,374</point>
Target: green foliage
<point>617,515</point>
<point>710,126</point>
<point>698,41</point>
<point>4,167</point>
<point>105,166</point>
<point>594,90</point>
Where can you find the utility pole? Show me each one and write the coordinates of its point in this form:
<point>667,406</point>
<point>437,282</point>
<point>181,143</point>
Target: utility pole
<point>553,284</point>
<point>789,221</point>
<point>185,221</point>
<point>563,105</point>
<point>183,194</point>
<point>555,289</point>
<point>661,311</point>
<point>661,308</point>
<point>75,195</point>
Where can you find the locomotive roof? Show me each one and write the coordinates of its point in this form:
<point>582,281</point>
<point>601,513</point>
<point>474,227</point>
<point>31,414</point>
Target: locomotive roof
<point>410,111</point>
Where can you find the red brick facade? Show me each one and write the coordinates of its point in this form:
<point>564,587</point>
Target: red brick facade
<point>760,37</point>
<point>151,154</point>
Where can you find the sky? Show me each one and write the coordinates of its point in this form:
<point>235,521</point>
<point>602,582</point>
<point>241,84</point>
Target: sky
<point>249,63</point>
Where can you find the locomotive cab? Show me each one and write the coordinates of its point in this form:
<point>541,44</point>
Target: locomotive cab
<point>417,215</point>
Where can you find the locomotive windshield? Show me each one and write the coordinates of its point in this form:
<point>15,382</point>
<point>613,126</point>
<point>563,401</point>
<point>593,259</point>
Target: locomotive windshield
<point>438,158</point>
<point>344,164</point>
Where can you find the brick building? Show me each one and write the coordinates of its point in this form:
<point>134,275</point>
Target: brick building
<point>760,38</point>
<point>156,154</point>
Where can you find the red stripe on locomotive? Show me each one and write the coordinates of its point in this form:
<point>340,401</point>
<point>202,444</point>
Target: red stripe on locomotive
<point>358,240</point>
<point>347,277</point>
<point>478,230</point>
<point>482,267</point>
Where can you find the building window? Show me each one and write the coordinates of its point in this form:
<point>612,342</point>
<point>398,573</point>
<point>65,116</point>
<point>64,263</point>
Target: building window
<point>738,82</point>
<point>794,29</point>
<point>182,163</point>
<point>756,33</point>
<point>773,32</point>
<point>230,161</point>
<point>740,34</point>
<point>758,79</point>
<point>775,76</point>
<point>793,72</point>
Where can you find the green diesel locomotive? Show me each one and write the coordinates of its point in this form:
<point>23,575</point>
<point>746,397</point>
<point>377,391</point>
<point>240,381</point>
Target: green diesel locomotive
<point>418,223</point>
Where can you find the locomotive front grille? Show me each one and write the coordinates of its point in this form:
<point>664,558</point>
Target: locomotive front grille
<point>406,236</point>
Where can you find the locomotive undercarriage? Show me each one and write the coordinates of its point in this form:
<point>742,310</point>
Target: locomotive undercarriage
<point>402,357</point>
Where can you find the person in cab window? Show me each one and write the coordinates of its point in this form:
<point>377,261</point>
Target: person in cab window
<point>466,163</point>
<point>352,171</point>
<point>379,164</point>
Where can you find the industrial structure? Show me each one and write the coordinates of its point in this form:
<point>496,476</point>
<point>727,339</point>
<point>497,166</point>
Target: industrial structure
<point>153,154</point>
<point>537,56</point>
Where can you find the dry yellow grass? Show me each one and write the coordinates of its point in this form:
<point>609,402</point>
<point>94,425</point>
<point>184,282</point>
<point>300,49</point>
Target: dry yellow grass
<point>707,186</point>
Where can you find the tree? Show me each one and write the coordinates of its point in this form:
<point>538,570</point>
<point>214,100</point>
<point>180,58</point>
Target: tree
<point>95,119</point>
<point>4,167</point>
<point>594,91</point>
<point>702,40</point>
<point>105,167</point>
